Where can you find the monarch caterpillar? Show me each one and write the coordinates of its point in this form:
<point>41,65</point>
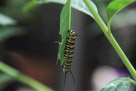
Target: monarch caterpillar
<point>69,51</point>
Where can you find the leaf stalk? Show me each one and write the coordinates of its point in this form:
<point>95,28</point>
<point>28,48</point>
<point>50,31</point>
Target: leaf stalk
<point>23,78</point>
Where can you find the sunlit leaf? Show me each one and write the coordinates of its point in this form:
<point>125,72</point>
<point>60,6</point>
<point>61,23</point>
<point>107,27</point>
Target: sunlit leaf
<point>5,20</point>
<point>120,84</point>
<point>77,4</point>
<point>114,7</point>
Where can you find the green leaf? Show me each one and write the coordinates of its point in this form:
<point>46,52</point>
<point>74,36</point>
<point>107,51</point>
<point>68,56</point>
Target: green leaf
<point>30,5</point>
<point>65,25</point>
<point>120,84</point>
<point>114,7</point>
<point>5,20</point>
<point>77,4</point>
<point>6,32</point>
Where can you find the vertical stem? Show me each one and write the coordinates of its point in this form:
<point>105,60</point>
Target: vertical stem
<point>23,78</point>
<point>70,15</point>
<point>111,39</point>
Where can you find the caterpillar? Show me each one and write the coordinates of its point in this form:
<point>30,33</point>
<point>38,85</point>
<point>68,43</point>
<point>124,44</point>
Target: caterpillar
<point>69,51</point>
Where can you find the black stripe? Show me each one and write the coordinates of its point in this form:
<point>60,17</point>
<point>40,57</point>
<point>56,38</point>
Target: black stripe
<point>66,59</point>
<point>70,48</point>
<point>72,35</point>
<point>69,52</point>
<point>68,62</point>
<point>69,57</point>
<point>73,39</point>
<point>68,66</point>
<point>67,69</point>
<point>70,43</point>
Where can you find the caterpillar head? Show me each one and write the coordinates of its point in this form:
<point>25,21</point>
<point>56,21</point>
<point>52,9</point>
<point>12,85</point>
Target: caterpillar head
<point>71,32</point>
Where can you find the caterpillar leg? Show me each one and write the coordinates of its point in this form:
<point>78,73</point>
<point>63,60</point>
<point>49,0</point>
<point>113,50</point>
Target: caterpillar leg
<point>57,42</point>
<point>65,79</point>
<point>72,76</point>
<point>78,35</point>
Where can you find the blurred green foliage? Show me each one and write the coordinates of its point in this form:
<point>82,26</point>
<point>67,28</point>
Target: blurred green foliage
<point>10,13</point>
<point>5,20</point>
<point>77,4</point>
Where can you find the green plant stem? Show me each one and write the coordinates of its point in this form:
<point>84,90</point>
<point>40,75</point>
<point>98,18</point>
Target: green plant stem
<point>70,14</point>
<point>133,82</point>
<point>111,39</point>
<point>122,55</point>
<point>23,78</point>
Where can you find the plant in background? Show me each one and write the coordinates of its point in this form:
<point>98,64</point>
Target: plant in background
<point>89,8</point>
<point>8,29</point>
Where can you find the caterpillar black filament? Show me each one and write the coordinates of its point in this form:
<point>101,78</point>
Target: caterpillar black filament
<point>69,51</point>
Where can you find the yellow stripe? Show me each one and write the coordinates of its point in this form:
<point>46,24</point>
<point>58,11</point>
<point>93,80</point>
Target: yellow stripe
<point>69,54</point>
<point>71,41</point>
<point>72,37</point>
<point>66,59</point>
<point>71,46</point>
<point>67,70</point>
<point>69,50</point>
<point>67,63</point>
<point>66,55</point>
